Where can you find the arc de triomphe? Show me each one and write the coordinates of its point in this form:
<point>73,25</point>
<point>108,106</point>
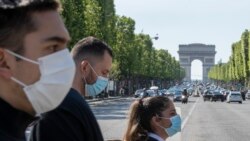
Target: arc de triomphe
<point>202,52</point>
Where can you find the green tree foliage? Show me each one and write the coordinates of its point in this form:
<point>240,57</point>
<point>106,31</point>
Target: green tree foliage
<point>93,17</point>
<point>73,15</point>
<point>135,58</point>
<point>238,66</point>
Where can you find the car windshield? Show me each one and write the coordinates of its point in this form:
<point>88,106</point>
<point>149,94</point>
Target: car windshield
<point>235,94</point>
<point>178,92</point>
<point>139,91</point>
<point>217,93</point>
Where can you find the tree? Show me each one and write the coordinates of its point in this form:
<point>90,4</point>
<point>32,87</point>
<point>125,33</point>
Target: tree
<point>73,15</point>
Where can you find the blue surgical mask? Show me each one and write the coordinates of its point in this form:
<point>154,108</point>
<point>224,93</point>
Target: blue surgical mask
<point>96,88</point>
<point>175,127</point>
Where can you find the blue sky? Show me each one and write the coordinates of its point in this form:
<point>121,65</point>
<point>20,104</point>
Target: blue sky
<point>218,22</point>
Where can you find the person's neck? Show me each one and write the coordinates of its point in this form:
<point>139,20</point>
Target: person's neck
<point>79,85</point>
<point>162,134</point>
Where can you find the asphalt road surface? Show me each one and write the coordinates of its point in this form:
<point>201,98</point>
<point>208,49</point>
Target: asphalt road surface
<point>202,121</point>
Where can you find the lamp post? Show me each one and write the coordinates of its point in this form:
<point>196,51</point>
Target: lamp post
<point>156,37</point>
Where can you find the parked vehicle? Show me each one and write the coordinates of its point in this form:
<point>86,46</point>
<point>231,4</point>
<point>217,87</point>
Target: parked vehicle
<point>148,93</point>
<point>138,92</point>
<point>234,96</point>
<point>155,89</point>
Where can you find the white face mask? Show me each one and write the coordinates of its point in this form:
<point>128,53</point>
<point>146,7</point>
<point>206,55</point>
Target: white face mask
<point>57,74</point>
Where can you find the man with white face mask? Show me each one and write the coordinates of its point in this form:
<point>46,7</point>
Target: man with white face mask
<point>36,69</point>
<point>73,120</point>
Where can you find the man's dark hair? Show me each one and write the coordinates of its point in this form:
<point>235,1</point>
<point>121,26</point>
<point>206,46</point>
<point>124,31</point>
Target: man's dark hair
<point>90,47</point>
<point>16,21</point>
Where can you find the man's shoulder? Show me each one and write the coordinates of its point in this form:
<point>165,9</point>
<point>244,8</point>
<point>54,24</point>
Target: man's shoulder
<point>73,104</point>
<point>73,98</point>
<point>72,120</point>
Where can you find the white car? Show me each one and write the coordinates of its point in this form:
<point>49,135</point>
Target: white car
<point>234,96</point>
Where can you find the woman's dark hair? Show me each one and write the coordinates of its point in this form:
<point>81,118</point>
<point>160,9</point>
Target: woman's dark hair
<point>141,113</point>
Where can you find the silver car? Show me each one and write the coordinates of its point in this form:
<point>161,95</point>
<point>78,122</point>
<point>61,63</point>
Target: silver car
<point>234,96</point>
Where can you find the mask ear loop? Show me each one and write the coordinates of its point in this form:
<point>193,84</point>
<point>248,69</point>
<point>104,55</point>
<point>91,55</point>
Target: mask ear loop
<point>93,69</point>
<point>21,57</point>
<point>19,82</point>
<point>85,89</point>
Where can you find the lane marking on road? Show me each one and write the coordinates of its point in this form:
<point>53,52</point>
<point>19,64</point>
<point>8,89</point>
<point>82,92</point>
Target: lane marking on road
<point>189,114</point>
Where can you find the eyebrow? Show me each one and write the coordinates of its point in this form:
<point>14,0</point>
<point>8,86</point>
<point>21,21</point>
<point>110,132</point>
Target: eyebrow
<point>56,39</point>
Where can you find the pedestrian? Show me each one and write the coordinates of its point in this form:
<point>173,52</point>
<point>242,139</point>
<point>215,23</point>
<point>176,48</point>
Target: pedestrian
<point>73,120</point>
<point>36,69</point>
<point>121,91</point>
<point>243,94</point>
<point>152,119</point>
<point>185,93</point>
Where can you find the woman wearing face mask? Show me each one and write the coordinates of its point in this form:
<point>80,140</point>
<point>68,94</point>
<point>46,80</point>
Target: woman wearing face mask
<point>152,119</point>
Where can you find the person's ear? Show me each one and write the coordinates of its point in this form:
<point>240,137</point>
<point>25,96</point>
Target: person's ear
<point>156,120</point>
<point>83,66</point>
<point>4,68</point>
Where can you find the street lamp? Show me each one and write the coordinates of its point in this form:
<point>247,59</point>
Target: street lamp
<point>156,37</point>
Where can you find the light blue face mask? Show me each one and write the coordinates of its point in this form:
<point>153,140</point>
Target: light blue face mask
<point>175,127</point>
<point>96,88</point>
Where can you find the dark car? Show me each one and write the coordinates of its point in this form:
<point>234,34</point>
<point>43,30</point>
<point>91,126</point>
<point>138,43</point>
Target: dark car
<point>207,95</point>
<point>177,95</point>
<point>217,96</point>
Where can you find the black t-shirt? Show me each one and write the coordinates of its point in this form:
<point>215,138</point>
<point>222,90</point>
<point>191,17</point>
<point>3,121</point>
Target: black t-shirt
<point>73,120</point>
<point>13,123</point>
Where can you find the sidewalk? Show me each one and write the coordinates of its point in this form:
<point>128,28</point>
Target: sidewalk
<point>104,99</point>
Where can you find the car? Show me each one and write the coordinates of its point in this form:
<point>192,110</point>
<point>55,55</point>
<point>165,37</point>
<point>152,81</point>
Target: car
<point>138,92</point>
<point>234,96</point>
<point>155,89</point>
<point>177,95</point>
<point>207,95</point>
<point>151,92</point>
<point>190,91</point>
<point>162,92</point>
<point>170,92</point>
<point>148,93</point>
<point>216,96</point>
